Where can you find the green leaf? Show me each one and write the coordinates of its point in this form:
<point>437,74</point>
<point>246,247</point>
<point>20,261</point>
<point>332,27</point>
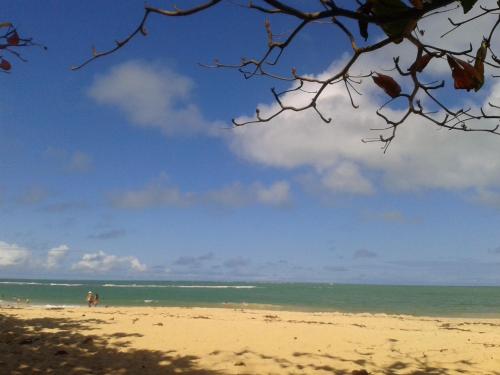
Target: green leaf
<point>467,4</point>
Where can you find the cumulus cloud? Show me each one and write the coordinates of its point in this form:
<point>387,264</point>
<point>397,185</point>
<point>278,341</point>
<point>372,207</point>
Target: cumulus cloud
<point>160,194</point>
<point>56,255</point>
<point>347,178</point>
<point>13,255</point>
<point>421,157</point>
<point>100,262</point>
<point>151,96</point>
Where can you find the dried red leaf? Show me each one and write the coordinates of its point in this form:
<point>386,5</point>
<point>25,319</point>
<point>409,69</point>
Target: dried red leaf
<point>420,64</point>
<point>387,83</point>
<point>464,75</point>
<point>13,38</point>
<point>5,65</point>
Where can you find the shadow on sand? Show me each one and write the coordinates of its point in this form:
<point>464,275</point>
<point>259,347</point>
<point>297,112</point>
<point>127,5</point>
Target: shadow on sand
<point>57,346</point>
<point>315,363</point>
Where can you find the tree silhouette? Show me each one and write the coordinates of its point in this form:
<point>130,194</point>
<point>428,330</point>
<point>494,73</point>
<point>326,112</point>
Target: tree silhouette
<point>10,44</point>
<point>368,26</point>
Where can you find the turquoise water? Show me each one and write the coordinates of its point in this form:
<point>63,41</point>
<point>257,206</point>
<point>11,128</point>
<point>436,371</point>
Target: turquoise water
<point>413,300</point>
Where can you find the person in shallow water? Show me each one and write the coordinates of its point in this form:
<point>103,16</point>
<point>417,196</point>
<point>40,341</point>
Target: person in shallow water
<point>90,298</point>
<point>96,299</point>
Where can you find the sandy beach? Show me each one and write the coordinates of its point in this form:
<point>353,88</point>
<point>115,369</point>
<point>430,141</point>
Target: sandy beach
<point>235,341</point>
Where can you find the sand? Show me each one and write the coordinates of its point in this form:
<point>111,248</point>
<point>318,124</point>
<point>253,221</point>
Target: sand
<point>233,341</point>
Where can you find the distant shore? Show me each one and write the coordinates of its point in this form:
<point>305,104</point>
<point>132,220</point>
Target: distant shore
<point>163,340</point>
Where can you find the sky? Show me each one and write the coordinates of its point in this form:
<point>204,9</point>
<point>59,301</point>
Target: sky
<point>129,168</point>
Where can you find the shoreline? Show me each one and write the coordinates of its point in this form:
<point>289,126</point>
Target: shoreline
<point>197,340</point>
<point>246,306</point>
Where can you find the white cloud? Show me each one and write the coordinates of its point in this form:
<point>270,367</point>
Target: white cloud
<point>56,255</point>
<point>346,177</point>
<point>422,156</point>
<point>12,254</point>
<point>160,194</point>
<point>277,194</point>
<point>150,95</point>
<point>100,261</point>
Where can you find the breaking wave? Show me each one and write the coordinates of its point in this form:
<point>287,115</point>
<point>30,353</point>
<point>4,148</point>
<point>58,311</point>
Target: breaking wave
<point>37,283</point>
<point>179,286</point>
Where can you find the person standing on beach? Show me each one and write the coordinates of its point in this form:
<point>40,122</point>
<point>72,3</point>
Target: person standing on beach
<point>96,299</point>
<point>90,298</point>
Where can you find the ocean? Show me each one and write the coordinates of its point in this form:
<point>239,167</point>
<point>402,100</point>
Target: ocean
<point>443,301</point>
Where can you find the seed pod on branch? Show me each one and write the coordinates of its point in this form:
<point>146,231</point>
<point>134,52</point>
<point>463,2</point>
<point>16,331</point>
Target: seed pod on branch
<point>387,83</point>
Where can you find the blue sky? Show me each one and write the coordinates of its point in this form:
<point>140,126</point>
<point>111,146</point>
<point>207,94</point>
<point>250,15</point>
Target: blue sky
<point>124,169</point>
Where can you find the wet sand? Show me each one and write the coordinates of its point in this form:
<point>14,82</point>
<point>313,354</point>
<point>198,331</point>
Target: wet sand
<point>234,341</point>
